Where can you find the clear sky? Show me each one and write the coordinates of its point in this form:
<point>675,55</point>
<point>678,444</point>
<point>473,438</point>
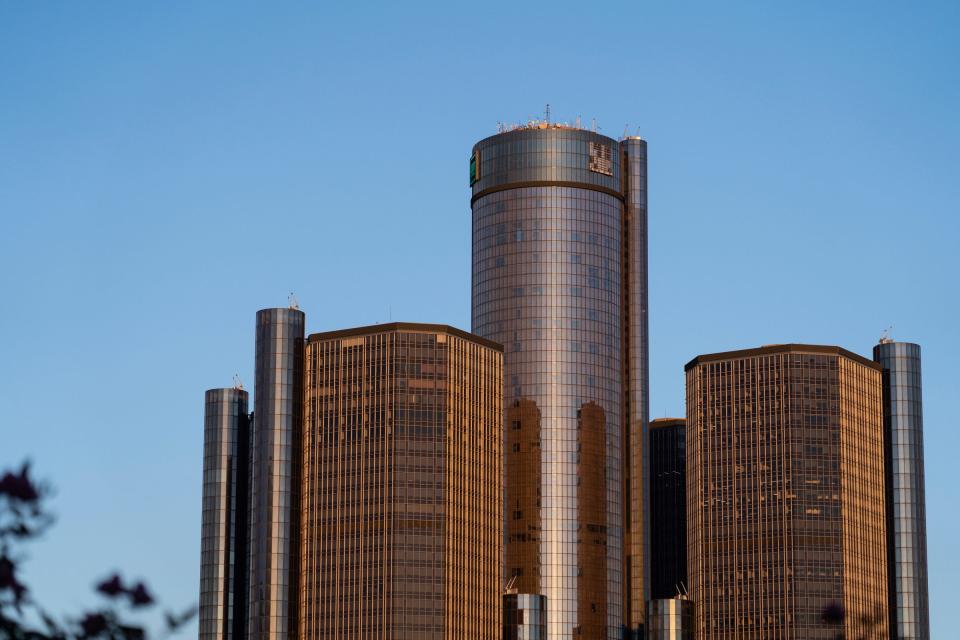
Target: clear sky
<point>166,169</point>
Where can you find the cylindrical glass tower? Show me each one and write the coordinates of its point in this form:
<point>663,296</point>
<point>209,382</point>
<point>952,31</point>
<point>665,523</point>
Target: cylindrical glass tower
<point>524,617</point>
<point>223,532</point>
<point>670,619</point>
<point>553,252</point>
<point>275,474</point>
<point>906,502</point>
<point>636,492</point>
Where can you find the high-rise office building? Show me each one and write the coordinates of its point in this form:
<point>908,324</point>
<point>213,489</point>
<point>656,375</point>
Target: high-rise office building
<point>275,462</point>
<point>223,533</point>
<point>560,279</point>
<point>668,508</point>
<point>906,502</point>
<point>395,503</point>
<point>402,485</point>
<point>785,515</point>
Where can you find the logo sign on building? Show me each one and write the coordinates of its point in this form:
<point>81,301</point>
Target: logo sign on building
<point>474,167</point>
<point>601,158</point>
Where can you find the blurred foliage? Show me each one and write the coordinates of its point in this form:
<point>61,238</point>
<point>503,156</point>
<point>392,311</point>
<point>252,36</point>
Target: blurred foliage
<point>834,615</point>
<point>23,519</point>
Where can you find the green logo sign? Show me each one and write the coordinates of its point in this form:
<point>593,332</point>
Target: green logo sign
<point>474,167</point>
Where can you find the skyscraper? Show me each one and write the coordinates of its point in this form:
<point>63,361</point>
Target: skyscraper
<point>223,533</point>
<point>785,494</point>
<point>389,521</point>
<point>402,485</point>
<point>560,279</point>
<point>275,474</point>
<point>668,508</point>
<point>906,506</point>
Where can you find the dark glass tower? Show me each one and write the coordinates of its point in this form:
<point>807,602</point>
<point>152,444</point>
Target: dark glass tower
<point>275,475</point>
<point>906,502</point>
<point>668,508</point>
<point>560,279</point>
<point>223,533</point>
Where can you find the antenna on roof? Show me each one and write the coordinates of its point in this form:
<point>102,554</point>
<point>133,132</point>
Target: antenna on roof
<point>292,301</point>
<point>546,113</point>
<point>626,130</point>
<point>593,124</point>
<point>237,382</point>
<point>578,122</point>
<point>885,336</point>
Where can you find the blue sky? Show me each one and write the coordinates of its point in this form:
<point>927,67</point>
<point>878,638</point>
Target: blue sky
<point>167,169</point>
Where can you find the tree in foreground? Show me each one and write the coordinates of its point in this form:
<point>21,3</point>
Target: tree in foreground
<point>23,519</point>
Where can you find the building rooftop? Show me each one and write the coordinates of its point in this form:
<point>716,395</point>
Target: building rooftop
<point>659,423</point>
<point>781,348</point>
<point>389,327</point>
<point>532,125</point>
<point>503,127</point>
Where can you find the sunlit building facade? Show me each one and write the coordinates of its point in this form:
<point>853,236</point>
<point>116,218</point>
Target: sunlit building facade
<point>906,500</point>
<point>785,494</point>
<point>560,279</point>
<point>402,485</point>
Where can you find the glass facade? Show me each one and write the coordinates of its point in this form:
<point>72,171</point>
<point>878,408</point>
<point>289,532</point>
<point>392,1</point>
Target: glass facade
<point>785,501</point>
<point>906,502</point>
<point>636,491</point>
<point>524,617</point>
<point>223,529</point>
<point>559,278</point>
<point>668,508</point>
<point>275,474</point>
<point>669,618</point>
<point>402,489</point>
